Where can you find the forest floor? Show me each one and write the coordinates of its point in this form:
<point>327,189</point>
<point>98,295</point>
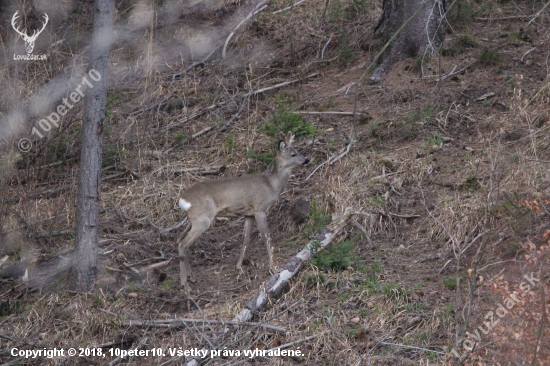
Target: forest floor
<point>448,158</point>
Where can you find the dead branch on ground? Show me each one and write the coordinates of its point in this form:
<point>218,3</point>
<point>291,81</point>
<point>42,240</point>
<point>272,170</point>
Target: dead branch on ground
<point>280,280</point>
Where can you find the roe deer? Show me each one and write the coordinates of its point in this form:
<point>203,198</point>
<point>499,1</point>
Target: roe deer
<point>250,196</point>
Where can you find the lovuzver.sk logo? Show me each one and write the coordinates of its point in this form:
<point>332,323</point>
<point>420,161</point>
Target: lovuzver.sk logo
<point>29,40</point>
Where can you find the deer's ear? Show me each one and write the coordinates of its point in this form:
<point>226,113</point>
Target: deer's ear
<point>290,138</point>
<point>282,145</point>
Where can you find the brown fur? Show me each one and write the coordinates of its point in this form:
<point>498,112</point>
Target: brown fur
<point>250,196</point>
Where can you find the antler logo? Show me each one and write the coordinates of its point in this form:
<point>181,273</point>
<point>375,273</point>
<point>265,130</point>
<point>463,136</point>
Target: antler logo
<point>29,40</point>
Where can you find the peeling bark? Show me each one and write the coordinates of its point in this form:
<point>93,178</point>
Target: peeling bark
<point>84,271</point>
<point>280,280</point>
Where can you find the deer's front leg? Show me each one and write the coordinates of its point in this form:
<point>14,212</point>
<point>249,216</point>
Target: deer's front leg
<point>246,240</point>
<point>261,222</point>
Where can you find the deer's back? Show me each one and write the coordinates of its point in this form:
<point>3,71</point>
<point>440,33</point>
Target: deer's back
<point>239,196</point>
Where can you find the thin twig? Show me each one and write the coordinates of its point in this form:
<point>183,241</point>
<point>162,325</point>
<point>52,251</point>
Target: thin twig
<point>329,112</point>
<point>325,9</point>
<point>288,7</point>
<point>194,115</point>
<point>385,214</point>
<point>24,342</point>
<point>333,159</point>
<point>526,53</point>
<point>258,8</point>
<point>173,323</point>
<point>202,132</point>
<point>454,72</point>
<point>504,18</point>
<point>537,14</point>
<point>326,45</point>
<point>286,345</point>
<point>412,347</point>
<point>363,230</point>
<point>142,343</point>
<point>164,230</point>
<point>233,118</point>
<point>276,86</point>
<point>445,265</point>
<point>194,64</point>
<point>155,266</point>
<point>220,104</point>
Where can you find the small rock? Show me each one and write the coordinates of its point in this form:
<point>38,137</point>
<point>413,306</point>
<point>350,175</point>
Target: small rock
<point>133,295</point>
<point>355,320</point>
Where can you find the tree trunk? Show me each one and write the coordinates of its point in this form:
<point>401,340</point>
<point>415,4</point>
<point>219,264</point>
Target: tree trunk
<point>84,270</point>
<point>416,29</point>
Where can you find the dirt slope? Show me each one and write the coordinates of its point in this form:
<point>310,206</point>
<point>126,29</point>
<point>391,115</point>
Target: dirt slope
<point>449,163</point>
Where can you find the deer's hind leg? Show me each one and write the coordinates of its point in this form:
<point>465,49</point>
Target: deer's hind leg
<point>248,220</point>
<point>261,222</point>
<point>198,226</point>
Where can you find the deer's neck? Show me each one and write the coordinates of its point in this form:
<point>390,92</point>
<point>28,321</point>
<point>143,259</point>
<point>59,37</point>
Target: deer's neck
<point>279,178</point>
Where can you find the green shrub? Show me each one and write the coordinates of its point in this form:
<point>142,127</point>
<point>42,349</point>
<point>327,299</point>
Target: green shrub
<point>180,139</point>
<point>337,257</point>
<point>229,141</point>
<point>266,157</point>
<point>489,57</point>
<point>317,219</point>
<point>283,119</point>
<point>450,283</point>
<point>111,155</point>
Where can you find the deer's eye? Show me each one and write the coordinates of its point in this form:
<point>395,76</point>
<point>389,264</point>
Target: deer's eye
<point>293,155</point>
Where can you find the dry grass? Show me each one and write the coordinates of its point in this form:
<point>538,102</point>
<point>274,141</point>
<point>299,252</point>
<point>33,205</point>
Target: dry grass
<point>486,179</point>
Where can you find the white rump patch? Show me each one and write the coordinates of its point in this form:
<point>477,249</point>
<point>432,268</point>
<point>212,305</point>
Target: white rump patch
<point>184,204</point>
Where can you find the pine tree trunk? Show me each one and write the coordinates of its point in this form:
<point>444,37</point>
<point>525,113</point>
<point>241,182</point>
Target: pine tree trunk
<point>84,269</point>
<point>417,27</point>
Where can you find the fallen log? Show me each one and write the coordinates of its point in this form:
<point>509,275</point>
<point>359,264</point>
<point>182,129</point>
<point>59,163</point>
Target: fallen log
<point>280,280</point>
